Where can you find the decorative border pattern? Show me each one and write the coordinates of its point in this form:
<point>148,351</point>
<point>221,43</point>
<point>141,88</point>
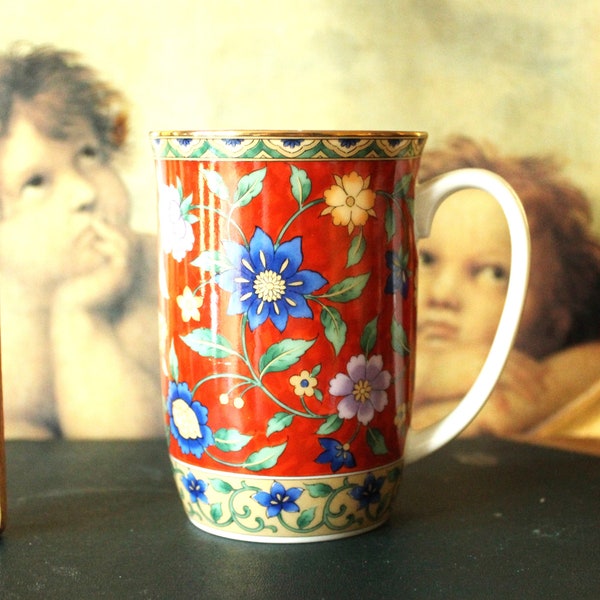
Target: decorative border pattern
<point>264,509</point>
<point>365,147</point>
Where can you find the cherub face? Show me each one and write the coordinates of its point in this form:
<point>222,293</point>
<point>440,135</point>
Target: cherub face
<point>51,192</point>
<point>463,273</point>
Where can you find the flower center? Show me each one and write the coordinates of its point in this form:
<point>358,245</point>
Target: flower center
<point>350,201</point>
<point>269,286</point>
<point>362,390</point>
<point>185,420</point>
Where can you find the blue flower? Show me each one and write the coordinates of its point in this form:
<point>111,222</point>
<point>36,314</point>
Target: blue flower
<point>291,144</point>
<point>279,499</point>
<point>184,141</point>
<point>336,454</point>
<point>369,492</point>
<point>195,487</point>
<point>348,142</point>
<point>397,281</point>
<point>233,142</point>
<point>188,420</point>
<point>265,282</point>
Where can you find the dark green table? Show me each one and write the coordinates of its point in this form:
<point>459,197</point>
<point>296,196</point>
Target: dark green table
<point>478,519</point>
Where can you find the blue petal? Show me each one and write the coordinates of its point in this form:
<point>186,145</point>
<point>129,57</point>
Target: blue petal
<point>277,490</point>
<point>226,279</point>
<point>301,310</point>
<point>254,318</point>
<point>234,252</point>
<point>261,242</point>
<point>292,252</point>
<point>279,320</point>
<point>200,411</point>
<point>294,493</point>
<point>263,498</point>
<point>290,507</point>
<point>273,510</point>
<point>306,282</point>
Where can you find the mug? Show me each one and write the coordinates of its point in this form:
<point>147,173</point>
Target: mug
<point>288,281</point>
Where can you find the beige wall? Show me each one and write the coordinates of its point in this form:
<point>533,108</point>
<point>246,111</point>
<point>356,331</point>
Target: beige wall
<point>525,75</point>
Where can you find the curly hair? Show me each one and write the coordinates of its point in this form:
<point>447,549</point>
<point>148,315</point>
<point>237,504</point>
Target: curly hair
<point>59,89</point>
<point>555,208</point>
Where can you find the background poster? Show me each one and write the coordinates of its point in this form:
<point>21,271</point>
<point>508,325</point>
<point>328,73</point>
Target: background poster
<point>524,76</point>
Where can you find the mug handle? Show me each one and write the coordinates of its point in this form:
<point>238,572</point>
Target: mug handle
<point>429,196</point>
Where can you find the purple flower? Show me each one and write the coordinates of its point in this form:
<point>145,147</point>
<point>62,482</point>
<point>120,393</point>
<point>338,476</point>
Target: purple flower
<point>265,282</point>
<point>279,499</point>
<point>397,281</point>
<point>369,492</point>
<point>188,420</point>
<point>363,389</point>
<point>195,487</point>
<point>335,453</point>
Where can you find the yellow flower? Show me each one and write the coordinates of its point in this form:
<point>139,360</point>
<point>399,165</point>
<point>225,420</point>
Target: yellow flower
<point>189,305</point>
<point>304,384</point>
<point>350,201</point>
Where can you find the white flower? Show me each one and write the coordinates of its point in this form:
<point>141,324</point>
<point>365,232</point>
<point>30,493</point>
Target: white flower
<point>176,235</point>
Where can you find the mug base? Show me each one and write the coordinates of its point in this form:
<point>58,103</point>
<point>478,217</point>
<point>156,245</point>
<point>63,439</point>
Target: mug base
<point>273,509</point>
<point>329,537</point>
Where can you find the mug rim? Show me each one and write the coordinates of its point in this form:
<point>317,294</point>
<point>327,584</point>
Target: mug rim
<point>287,134</point>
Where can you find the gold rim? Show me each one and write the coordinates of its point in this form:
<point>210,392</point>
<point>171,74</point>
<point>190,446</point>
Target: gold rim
<point>286,134</point>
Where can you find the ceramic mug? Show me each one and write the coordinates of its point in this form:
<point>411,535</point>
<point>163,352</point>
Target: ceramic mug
<point>288,270</point>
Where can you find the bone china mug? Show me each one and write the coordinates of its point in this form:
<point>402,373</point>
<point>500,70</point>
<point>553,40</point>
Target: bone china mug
<point>288,275</point>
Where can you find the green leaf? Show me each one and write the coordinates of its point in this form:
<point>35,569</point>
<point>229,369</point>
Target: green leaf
<point>212,261</point>
<point>282,355</point>
<point>390,223</point>
<point>186,205</point>
<point>221,486</point>
<point>399,339</point>
<point>357,248</point>
<point>173,363</point>
<point>230,440</point>
<point>348,289</point>
<point>402,186</point>
<point>376,441</point>
<point>331,425</point>
<point>215,183</point>
<point>264,458</point>
<point>208,343</point>
<point>279,422</point>
<point>319,490</point>
<point>334,326</point>
<point>394,474</point>
<point>301,184</point>
<point>249,187</point>
<point>306,517</point>
<point>216,511</point>
<point>369,336</point>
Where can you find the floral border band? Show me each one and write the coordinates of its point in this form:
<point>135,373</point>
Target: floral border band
<point>280,509</point>
<point>297,148</point>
